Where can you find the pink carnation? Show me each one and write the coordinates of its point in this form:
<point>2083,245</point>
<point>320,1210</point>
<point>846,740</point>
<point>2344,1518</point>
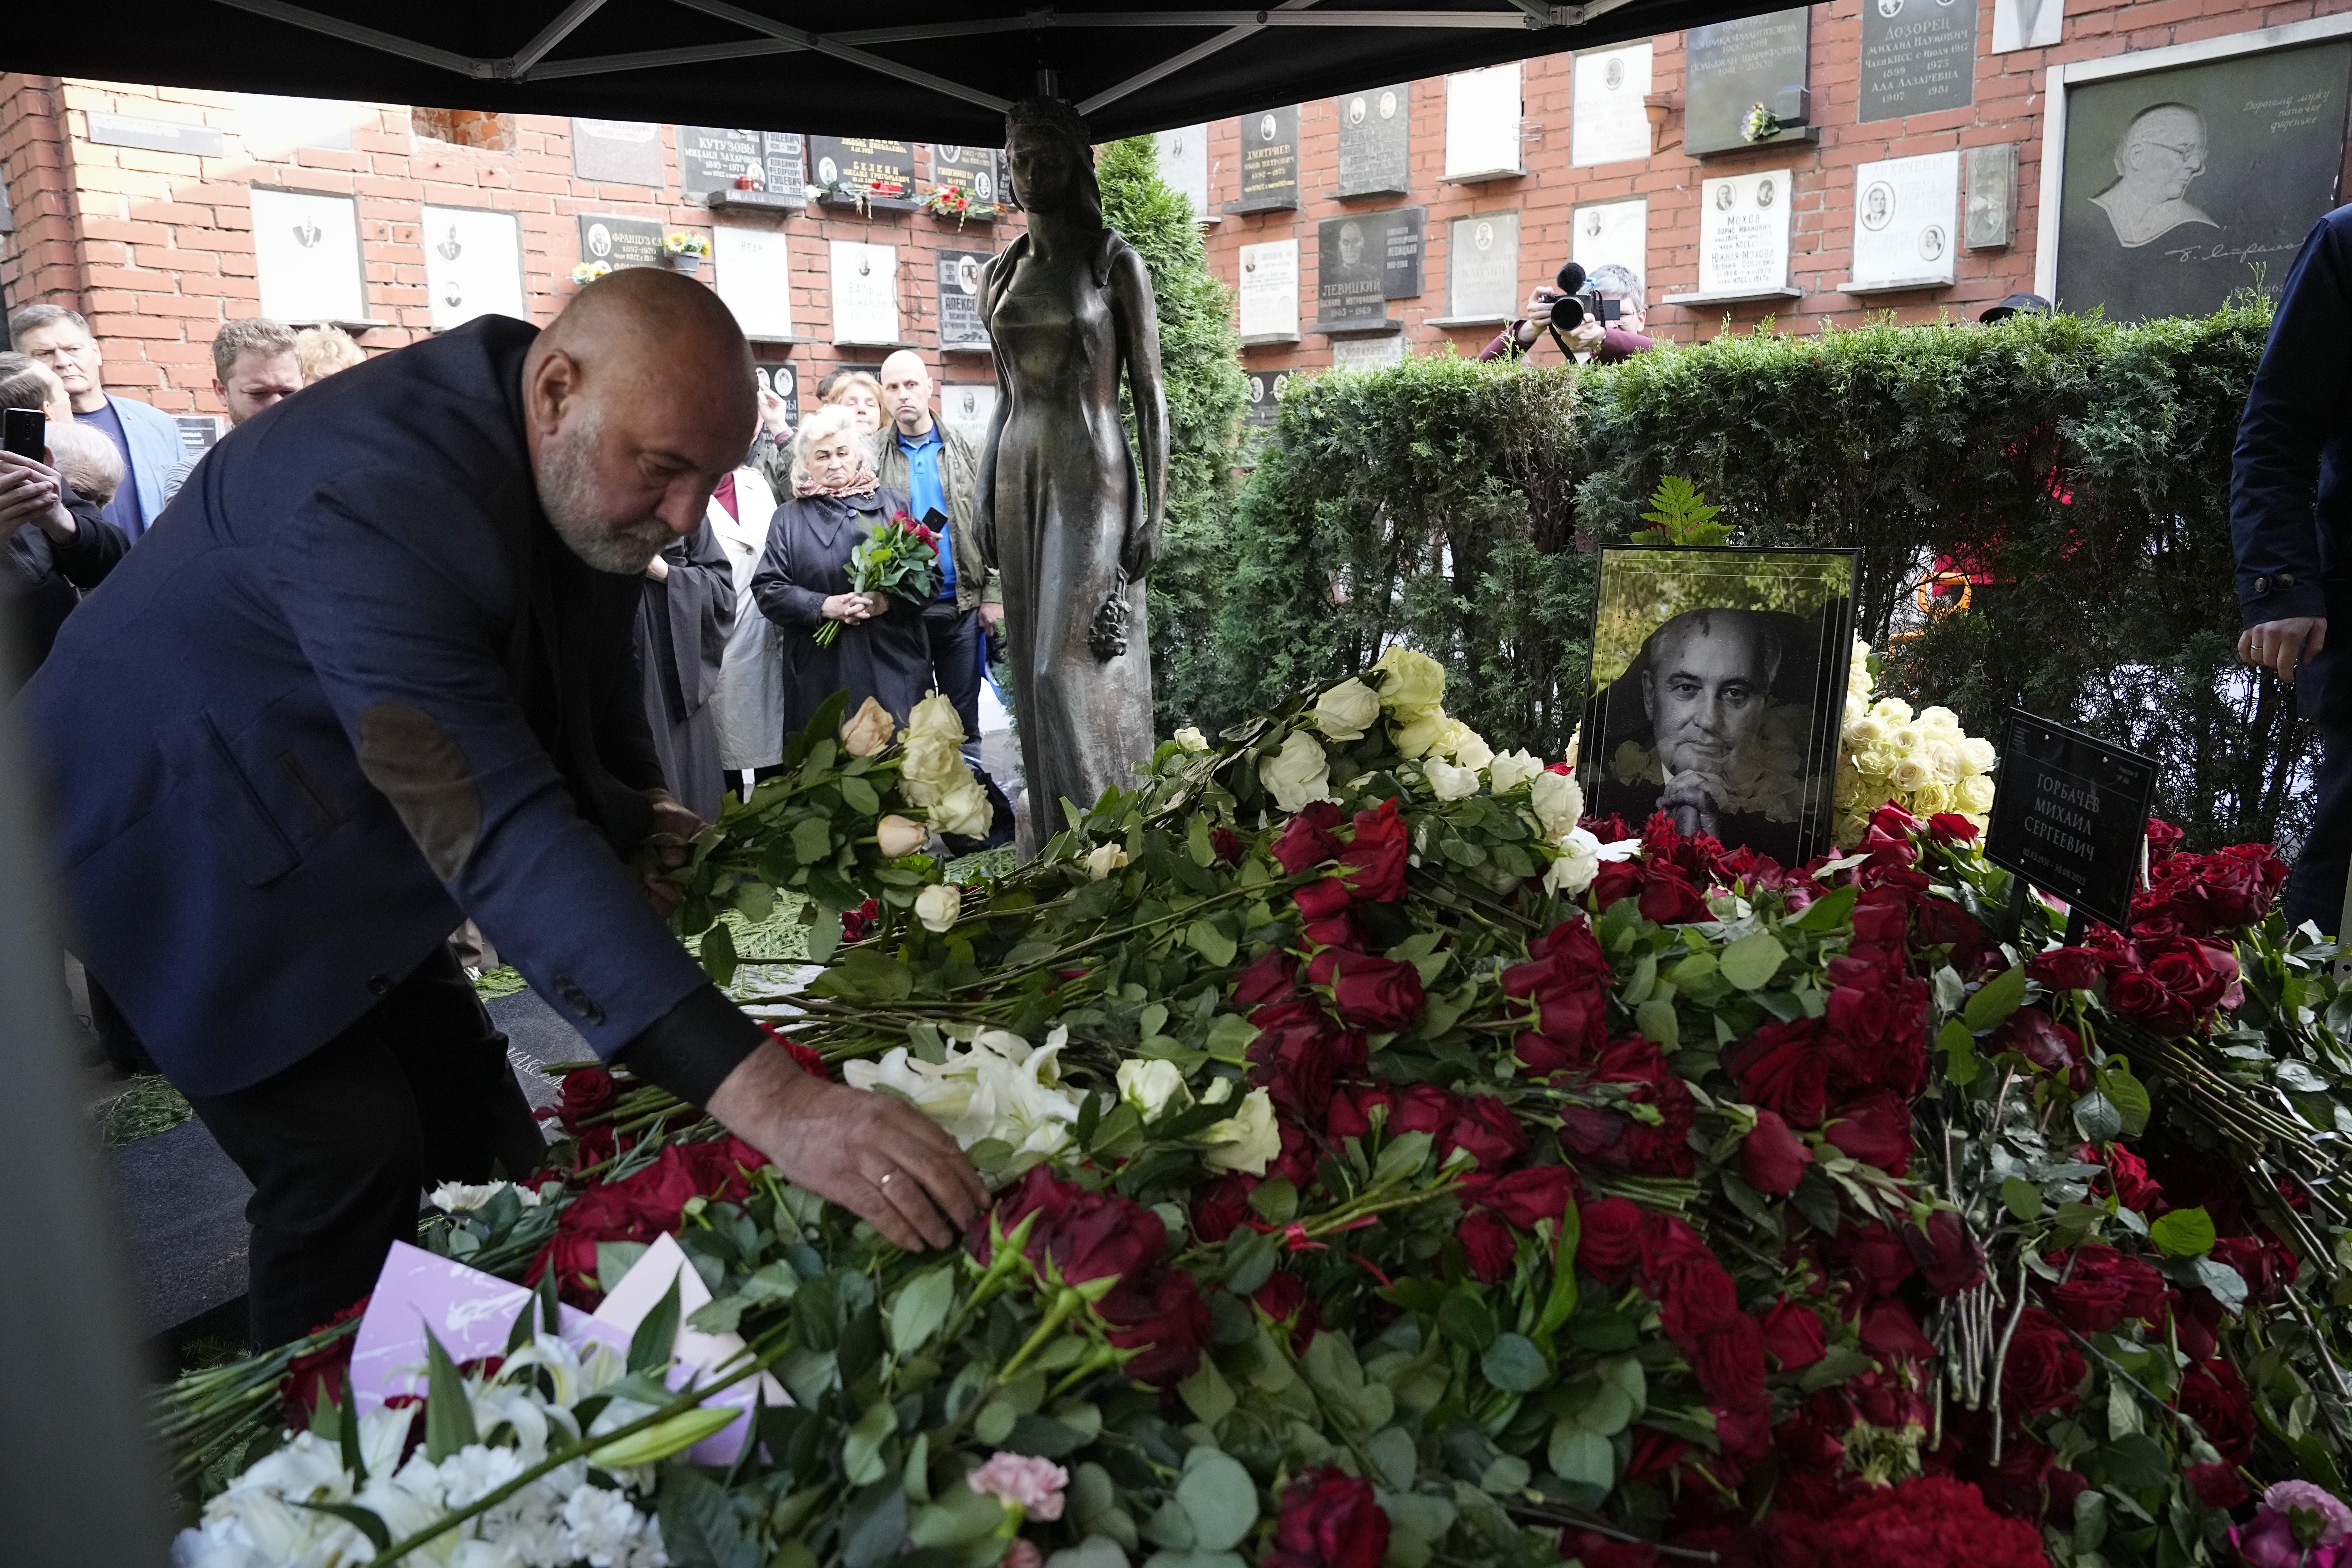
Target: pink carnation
<point>1019,1480</point>
<point>2286,1497</point>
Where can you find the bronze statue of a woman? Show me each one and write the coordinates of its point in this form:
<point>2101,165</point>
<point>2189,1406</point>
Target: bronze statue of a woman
<point>1069,306</point>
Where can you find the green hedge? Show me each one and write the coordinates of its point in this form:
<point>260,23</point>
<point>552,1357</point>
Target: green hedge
<point>1444,502</point>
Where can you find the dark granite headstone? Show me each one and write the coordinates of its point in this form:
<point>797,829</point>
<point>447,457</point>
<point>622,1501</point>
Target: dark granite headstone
<point>1269,161</point>
<point>2232,162</point>
<point>155,135</point>
<point>848,166</point>
<point>619,242</point>
<point>197,433</point>
<point>959,282</point>
<point>712,158</point>
<point>1737,65</point>
<point>1375,141</point>
<point>1261,393</point>
<point>784,152</point>
<point>1347,279</point>
<point>1404,244</point>
<point>779,377</point>
<point>2070,814</point>
<point>1917,56</point>
<point>617,152</point>
<point>977,171</point>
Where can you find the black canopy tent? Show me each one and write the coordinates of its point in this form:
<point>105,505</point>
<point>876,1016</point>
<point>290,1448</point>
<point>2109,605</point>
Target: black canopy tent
<point>941,70</point>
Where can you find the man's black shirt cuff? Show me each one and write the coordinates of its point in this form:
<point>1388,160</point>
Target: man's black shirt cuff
<point>690,1050</point>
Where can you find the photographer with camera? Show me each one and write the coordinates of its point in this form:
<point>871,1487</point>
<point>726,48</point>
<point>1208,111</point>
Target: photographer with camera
<point>1601,316</point>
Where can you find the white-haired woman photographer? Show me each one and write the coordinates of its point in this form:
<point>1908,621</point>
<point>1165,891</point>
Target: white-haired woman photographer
<point>803,581</point>
<point>1607,341</point>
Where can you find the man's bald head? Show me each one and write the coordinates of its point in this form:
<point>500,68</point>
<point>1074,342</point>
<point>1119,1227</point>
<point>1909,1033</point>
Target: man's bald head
<point>907,393</point>
<point>638,401</point>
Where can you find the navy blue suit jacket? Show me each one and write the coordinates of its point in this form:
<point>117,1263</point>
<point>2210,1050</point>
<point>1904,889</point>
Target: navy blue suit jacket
<point>357,601</point>
<point>2289,508</point>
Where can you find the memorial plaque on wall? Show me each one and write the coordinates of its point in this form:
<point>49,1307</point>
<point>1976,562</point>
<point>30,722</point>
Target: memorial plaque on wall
<point>959,275</point>
<point>617,152</point>
<point>1482,110</point>
<point>276,128</point>
<point>752,272</point>
<point>2027,23</point>
<point>198,433</point>
<point>1612,234</point>
<point>1482,266</point>
<point>1184,164</point>
<point>1261,396</point>
<point>779,377</point>
<point>619,242</point>
<point>865,292</point>
<point>1737,65</point>
<point>2182,185</point>
<point>967,406</point>
<point>155,135</point>
<point>711,158</point>
<point>1917,56</point>
<point>1348,277</point>
<point>1743,233</point>
<point>1367,353</point>
<point>1375,152</point>
<point>883,171</point>
<point>1269,292</point>
<point>1269,161</point>
<point>782,151</point>
<point>1608,122</point>
<point>1988,189</point>
<point>306,256</point>
<point>2070,814</point>
<point>1404,245</point>
<point>979,171</point>
<point>1905,211</point>
<point>473,265</point>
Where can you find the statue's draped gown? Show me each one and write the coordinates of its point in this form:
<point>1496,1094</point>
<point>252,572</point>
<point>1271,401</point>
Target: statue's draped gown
<point>1065,501</point>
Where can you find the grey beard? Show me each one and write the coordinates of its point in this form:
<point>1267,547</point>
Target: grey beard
<point>567,490</point>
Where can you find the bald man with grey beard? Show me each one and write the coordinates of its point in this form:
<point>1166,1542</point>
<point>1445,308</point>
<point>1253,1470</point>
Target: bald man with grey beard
<point>371,674</point>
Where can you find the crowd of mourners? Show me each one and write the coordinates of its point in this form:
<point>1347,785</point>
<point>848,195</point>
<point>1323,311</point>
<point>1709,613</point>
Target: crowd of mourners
<point>727,642</point>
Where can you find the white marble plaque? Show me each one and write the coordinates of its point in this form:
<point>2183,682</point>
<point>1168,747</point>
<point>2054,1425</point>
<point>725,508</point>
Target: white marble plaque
<point>306,249</point>
<point>276,128</point>
<point>1607,120</point>
<point>1367,353</point>
<point>617,152</point>
<point>752,272</point>
<point>1743,233</point>
<point>1482,266</point>
<point>1269,292</point>
<point>1184,164</point>
<point>473,265</point>
<point>2027,23</point>
<point>865,292</point>
<point>1614,234</point>
<point>1482,123</point>
<point>967,406</point>
<point>1905,220</point>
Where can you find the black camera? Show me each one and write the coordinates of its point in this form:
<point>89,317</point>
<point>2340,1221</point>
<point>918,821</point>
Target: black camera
<point>1572,302</point>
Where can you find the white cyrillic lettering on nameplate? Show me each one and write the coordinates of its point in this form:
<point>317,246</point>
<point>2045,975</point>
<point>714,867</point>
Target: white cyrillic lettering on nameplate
<point>1482,123</point>
<point>1269,290</point>
<point>865,292</point>
<point>1905,215</point>
<point>473,265</point>
<point>1743,233</point>
<point>1608,122</point>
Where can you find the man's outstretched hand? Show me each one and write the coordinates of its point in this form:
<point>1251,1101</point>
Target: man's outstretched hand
<point>2283,645</point>
<point>874,1154</point>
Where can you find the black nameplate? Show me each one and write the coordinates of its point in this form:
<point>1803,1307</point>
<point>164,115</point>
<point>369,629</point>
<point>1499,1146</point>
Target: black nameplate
<point>2069,815</point>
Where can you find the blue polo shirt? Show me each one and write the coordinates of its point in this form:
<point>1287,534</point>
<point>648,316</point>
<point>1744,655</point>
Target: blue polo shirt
<point>925,493</point>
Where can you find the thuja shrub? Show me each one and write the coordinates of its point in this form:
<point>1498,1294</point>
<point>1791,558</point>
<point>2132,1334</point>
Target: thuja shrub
<point>2079,467</point>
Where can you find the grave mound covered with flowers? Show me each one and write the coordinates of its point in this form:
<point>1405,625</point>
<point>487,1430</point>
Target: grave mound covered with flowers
<point>1395,1168</point>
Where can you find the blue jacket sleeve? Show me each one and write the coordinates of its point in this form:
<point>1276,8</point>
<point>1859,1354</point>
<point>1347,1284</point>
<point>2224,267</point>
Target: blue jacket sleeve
<point>2297,408</point>
<point>404,605</point>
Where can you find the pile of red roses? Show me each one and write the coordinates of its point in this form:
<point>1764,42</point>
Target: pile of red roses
<point>1329,1518</point>
<point>643,1207</point>
<point>1095,1235</point>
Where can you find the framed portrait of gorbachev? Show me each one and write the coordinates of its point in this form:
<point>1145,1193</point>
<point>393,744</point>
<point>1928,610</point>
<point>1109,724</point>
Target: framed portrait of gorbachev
<point>1717,691</point>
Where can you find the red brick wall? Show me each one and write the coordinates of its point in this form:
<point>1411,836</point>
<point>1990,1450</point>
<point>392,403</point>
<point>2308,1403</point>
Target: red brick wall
<point>156,248</point>
<point>2008,109</point>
